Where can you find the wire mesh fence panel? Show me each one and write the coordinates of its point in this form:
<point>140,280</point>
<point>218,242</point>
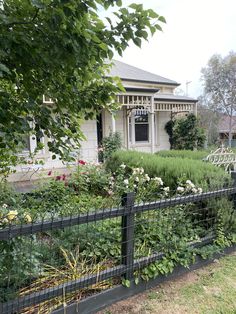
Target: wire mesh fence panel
<point>53,259</point>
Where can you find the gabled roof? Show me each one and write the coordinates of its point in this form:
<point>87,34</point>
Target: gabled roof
<point>131,73</point>
<point>172,97</point>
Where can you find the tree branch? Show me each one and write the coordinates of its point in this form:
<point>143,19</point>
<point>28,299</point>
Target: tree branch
<point>24,23</point>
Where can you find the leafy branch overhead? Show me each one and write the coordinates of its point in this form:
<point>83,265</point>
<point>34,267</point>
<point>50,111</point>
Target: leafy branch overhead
<point>62,49</point>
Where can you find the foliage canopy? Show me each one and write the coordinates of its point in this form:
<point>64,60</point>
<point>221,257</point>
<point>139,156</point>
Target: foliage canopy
<point>185,133</point>
<point>62,49</point>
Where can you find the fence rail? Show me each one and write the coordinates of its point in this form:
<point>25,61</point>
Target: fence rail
<point>127,261</point>
<point>29,229</point>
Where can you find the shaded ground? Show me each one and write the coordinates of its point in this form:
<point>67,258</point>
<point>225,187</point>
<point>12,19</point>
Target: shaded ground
<point>211,290</point>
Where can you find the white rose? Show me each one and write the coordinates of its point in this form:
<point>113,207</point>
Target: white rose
<point>147,178</point>
<point>136,179</point>
<point>123,166</point>
<point>180,189</point>
<point>166,189</point>
<point>126,181</point>
<point>159,180</point>
<point>194,190</point>
<point>141,170</point>
<point>190,184</point>
<point>200,190</point>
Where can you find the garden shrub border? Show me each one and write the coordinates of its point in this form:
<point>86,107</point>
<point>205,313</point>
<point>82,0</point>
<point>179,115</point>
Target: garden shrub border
<point>203,174</point>
<point>102,300</point>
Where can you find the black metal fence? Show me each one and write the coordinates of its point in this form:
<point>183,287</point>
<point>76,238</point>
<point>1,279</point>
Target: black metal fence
<point>50,263</point>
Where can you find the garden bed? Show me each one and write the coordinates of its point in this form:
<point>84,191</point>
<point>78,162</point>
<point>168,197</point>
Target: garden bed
<point>69,233</point>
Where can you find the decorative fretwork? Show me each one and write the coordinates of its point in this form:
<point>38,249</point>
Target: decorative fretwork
<point>134,100</point>
<point>173,107</point>
<point>222,157</point>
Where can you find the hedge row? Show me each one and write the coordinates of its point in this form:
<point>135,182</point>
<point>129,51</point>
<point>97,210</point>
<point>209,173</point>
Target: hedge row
<point>172,169</point>
<point>197,155</point>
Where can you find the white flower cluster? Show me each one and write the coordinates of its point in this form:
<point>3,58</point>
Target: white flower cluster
<point>166,190</point>
<point>126,182</point>
<point>138,171</point>
<point>158,180</point>
<point>146,177</point>
<point>189,187</point>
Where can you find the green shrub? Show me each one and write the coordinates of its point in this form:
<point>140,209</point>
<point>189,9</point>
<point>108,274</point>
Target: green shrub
<point>110,144</point>
<point>171,170</point>
<point>90,178</point>
<point>198,154</point>
<point>185,133</point>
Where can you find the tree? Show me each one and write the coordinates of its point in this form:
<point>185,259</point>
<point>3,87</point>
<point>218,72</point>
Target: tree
<point>209,121</point>
<point>61,49</point>
<point>219,80</point>
<point>185,133</point>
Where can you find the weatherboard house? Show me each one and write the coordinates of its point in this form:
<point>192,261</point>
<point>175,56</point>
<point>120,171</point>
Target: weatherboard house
<point>146,106</point>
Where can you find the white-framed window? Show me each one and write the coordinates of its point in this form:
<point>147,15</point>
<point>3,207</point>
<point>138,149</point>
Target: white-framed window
<point>139,126</point>
<point>30,143</point>
<point>47,100</point>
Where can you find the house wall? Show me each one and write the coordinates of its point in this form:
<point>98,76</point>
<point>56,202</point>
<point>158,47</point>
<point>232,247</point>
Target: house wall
<point>162,136</point>
<point>120,125</point>
<point>89,147</point>
<point>88,152</point>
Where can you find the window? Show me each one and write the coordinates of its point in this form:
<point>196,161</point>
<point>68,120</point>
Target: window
<point>139,126</point>
<point>26,144</point>
<point>31,143</point>
<point>47,100</point>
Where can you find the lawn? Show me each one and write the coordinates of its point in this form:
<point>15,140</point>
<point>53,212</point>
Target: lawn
<point>210,290</point>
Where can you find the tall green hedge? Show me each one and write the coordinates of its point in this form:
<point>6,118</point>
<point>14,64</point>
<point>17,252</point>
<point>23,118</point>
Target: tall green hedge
<point>197,155</point>
<point>172,169</point>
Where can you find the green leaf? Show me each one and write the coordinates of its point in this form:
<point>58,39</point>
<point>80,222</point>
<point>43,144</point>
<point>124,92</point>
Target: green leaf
<point>162,19</point>
<point>153,14</point>
<point>152,29</point>
<point>103,46</point>
<point>158,27</point>
<point>3,68</point>
<point>119,3</point>
<point>137,42</point>
<point>135,6</point>
<point>126,283</point>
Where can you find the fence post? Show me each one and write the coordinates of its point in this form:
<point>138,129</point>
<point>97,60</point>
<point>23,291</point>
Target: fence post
<point>233,176</point>
<point>127,225</point>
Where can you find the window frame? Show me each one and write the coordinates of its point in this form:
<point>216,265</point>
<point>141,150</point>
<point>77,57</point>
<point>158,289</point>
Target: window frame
<point>132,125</point>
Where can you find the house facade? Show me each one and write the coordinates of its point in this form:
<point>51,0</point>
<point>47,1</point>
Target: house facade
<point>147,105</point>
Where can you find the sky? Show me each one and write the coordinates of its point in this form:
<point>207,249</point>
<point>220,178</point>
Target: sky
<point>195,30</point>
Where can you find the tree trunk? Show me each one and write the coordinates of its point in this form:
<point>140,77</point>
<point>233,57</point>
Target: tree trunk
<point>230,128</point>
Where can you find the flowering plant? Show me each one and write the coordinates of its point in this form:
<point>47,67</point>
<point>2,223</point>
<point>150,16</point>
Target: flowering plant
<point>127,179</point>
<point>13,216</point>
<point>187,187</point>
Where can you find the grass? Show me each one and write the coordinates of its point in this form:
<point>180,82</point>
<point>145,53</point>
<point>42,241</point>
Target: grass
<point>211,290</point>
